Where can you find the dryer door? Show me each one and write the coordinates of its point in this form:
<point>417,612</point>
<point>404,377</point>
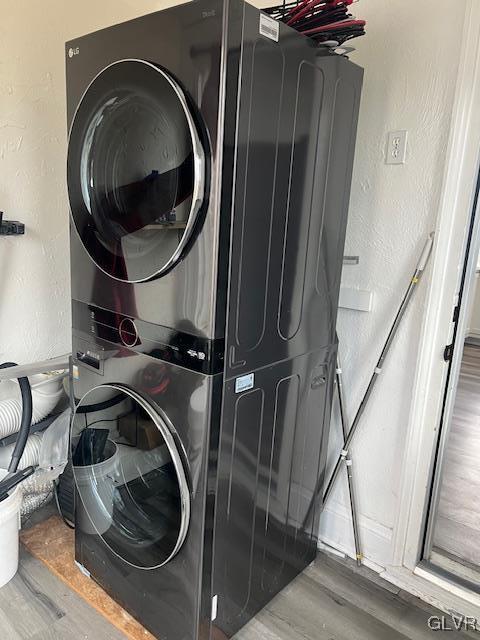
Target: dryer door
<point>136,171</point>
<point>130,473</point>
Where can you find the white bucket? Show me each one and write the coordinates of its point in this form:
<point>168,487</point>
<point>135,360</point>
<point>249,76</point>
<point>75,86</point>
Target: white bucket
<point>96,488</point>
<point>9,526</point>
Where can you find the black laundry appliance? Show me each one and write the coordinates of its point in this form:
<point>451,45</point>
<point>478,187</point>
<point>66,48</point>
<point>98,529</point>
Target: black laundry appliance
<point>209,167</point>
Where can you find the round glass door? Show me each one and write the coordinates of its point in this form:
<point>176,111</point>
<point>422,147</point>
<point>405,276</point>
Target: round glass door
<point>130,476</point>
<point>135,171</point>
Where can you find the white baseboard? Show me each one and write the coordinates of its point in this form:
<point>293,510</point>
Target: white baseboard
<point>376,539</point>
<point>336,535</point>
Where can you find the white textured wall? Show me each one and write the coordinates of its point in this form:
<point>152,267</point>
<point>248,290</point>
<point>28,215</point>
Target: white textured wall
<point>410,59</point>
<point>34,269</point>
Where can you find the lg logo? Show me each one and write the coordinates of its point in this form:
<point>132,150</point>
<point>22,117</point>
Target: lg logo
<point>73,51</point>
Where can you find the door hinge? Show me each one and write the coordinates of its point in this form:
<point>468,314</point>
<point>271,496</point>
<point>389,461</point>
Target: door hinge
<point>448,353</point>
<point>456,313</point>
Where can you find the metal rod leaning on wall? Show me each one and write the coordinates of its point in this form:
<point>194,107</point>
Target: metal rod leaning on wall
<point>348,464</point>
<point>422,263</point>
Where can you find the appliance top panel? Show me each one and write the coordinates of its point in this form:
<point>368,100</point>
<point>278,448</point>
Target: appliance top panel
<point>175,346</point>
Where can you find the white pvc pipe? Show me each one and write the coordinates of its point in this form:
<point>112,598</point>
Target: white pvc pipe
<point>46,392</point>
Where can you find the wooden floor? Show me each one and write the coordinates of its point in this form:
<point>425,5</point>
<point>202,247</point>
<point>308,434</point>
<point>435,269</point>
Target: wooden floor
<point>38,606</point>
<point>457,529</point>
<point>328,602</point>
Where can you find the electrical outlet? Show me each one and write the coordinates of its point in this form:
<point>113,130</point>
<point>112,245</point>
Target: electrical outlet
<point>396,147</point>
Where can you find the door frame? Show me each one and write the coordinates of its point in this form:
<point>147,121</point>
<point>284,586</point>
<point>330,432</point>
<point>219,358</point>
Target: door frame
<point>455,209</point>
<point>466,289</point>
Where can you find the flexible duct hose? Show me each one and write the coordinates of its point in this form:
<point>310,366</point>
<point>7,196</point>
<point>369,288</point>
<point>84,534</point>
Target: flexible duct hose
<point>44,400</point>
<point>26,419</point>
<point>30,455</point>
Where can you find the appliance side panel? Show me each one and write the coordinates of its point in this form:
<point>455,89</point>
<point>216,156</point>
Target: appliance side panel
<point>336,197</point>
<point>294,157</point>
<point>257,150</point>
<point>271,458</point>
<point>258,143</point>
<point>315,409</point>
<point>302,210</point>
<point>295,151</point>
<point>232,52</point>
<point>206,592</point>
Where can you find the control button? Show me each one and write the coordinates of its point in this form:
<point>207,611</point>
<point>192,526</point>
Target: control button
<point>128,332</point>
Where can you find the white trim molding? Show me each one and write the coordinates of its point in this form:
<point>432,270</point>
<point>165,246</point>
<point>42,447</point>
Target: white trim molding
<point>462,164</point>
<point>376,538</point>
<point>437,591</point>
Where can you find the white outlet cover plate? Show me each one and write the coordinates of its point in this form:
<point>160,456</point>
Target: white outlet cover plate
<point>397,147</point>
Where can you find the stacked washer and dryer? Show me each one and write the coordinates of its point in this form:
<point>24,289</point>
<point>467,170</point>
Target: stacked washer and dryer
<point>209,168</point>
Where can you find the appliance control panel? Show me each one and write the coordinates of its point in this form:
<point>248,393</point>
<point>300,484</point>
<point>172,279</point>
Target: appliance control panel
<point>193,352</point>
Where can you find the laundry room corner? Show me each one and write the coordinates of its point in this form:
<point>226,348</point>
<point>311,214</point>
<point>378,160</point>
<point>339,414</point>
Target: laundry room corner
<point>239,309</point>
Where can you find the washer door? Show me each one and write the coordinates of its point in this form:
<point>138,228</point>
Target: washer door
<point>130,476</point>
<point>135,171</point>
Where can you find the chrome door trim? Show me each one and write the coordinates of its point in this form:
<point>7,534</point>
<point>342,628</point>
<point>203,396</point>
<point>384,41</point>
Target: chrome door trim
<point>199,169</point>
<point>165,427</point>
